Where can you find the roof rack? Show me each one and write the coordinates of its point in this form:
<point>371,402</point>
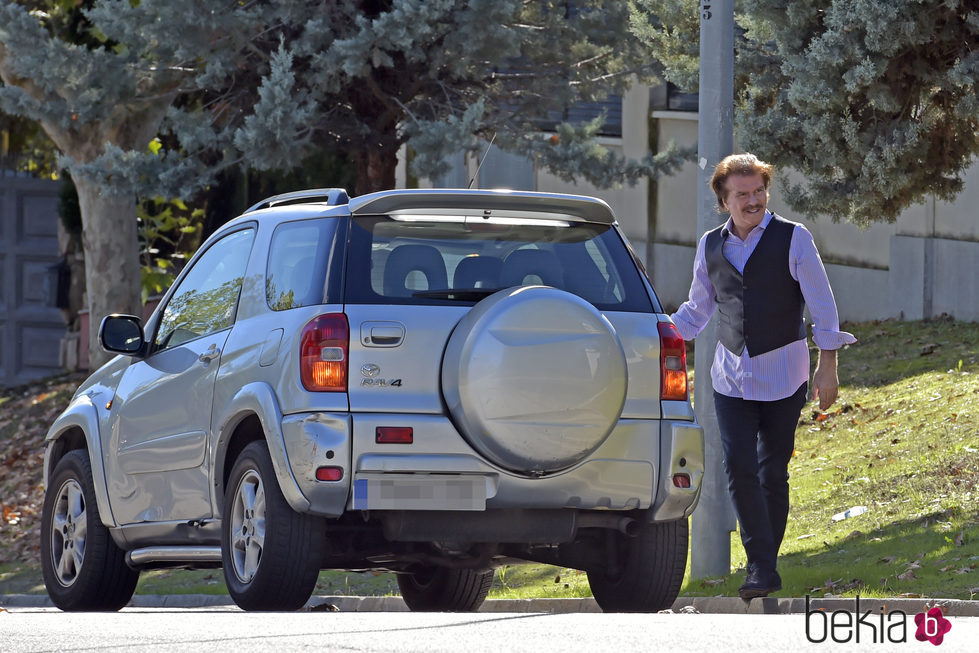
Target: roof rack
<point>332,196</point>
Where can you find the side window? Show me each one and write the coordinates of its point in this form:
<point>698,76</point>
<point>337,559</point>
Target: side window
<point>296,265</point>
<point>207,296</point>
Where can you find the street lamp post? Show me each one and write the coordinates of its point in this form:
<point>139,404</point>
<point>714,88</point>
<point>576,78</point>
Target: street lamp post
<point>713,520</point>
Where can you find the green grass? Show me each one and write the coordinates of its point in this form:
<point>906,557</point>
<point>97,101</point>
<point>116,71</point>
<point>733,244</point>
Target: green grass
<point>903,440</point>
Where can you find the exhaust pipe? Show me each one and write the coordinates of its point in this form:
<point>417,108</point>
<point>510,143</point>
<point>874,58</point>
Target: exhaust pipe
<point>625,525</point>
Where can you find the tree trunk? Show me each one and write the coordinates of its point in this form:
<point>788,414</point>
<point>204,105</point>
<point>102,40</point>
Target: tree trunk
<point>112,270</point>
<point>376,168</point>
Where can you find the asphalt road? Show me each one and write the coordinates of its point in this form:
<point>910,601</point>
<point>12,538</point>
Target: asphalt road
<point>228,629</point>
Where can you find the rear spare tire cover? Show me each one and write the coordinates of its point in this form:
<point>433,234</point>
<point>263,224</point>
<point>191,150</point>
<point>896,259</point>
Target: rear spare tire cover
<point>534,378</point>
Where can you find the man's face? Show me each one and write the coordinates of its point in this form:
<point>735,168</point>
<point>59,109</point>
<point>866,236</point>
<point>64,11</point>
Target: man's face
<point>745,199</point>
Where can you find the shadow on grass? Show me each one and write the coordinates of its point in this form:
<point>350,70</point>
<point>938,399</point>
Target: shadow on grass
<point>889,351</point>
<point>935,556</point>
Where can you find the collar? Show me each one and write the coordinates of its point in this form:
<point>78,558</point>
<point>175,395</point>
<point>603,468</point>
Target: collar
<point>729,225</point>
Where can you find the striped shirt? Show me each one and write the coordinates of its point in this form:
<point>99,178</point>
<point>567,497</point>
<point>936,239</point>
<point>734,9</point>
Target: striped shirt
<point>779,373</point>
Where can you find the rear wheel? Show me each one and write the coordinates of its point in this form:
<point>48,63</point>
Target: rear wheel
<point>269,551</point>
<point>642,573</point>
<point>83,568</point>
<point>444,589</point>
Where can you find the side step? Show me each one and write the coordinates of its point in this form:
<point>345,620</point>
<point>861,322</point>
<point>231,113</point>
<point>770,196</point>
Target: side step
<point>168,555</point>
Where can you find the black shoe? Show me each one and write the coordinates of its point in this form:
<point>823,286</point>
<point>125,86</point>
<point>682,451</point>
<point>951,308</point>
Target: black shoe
<point>759,582</point>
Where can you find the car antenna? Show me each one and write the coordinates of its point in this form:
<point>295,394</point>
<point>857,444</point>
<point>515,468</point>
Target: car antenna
<point>481,161</point>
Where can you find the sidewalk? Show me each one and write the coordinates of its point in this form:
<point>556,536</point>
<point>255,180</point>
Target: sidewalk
<point>691,605</point>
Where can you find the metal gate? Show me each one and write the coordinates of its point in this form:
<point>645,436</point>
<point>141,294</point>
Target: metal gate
<point>31,327</point>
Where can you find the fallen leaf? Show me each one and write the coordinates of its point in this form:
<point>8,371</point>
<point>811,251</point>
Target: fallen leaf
<point>712,583</point>
<point>963,570</point>
<point>908,575</point>
<point>888,559</point>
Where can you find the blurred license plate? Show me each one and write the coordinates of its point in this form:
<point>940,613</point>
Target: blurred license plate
<point>419,492</point>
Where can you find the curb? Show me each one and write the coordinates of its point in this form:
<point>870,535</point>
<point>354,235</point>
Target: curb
<point>688,605</point>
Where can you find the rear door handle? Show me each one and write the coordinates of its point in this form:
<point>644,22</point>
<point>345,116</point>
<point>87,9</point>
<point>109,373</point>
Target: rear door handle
<point>382,334</point>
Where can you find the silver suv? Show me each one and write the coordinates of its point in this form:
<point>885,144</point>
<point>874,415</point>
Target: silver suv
<point>428,382</point>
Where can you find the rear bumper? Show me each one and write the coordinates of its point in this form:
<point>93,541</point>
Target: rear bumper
<point>632,470</point>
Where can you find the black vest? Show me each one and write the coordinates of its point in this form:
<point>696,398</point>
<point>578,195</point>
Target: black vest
<point>761,308</point>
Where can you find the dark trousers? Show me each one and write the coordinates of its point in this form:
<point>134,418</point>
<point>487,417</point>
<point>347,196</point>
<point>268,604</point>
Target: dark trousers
<point>758,439</point>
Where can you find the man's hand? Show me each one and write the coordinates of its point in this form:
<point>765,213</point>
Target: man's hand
<point>826,384</point>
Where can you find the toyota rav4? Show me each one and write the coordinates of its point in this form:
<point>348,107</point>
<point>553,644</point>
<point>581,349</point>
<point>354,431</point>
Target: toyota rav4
<point>428,382</point>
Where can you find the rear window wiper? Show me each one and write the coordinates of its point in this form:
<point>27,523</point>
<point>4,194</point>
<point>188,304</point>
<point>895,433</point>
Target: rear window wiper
<point>458,294</point>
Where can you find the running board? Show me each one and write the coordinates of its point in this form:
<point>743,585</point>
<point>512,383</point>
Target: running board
<point>169,554</point>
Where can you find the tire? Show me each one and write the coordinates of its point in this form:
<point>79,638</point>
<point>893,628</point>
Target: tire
<point>83,568</point>
<point>644,573</point>
<point>270,553</point>
<point>444,589</point>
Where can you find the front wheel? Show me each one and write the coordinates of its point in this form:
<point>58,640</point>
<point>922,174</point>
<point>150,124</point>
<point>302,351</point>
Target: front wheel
<point>83,568</point>
<point>270,553</point>
<point>642,573</point>
<point>444,589</point>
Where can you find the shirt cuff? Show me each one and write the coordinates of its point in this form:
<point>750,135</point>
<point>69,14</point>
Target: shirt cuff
<point>688,331</point>
<point>830,340</point>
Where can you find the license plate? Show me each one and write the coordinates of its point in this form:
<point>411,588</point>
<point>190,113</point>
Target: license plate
<point>419,492</point>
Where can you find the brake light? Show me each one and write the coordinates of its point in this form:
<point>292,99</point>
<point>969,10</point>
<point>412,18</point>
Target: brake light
<point>672,363</point>
<point>323,353</point>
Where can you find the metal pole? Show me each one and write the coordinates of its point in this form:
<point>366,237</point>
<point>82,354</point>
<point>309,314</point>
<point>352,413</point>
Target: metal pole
<point>713,520</point>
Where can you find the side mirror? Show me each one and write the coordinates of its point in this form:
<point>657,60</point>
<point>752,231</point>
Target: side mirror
<point>121,334</point>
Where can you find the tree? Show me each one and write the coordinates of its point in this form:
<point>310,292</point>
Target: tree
<point>368,76</point>
<point>152,97</point>
<point>100,79</point>
<point>875,102</point>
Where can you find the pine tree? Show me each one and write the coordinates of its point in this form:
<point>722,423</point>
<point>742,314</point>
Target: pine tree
<point>152,97</point>
<point>875,102</point>
<point>100,79</point>
<point>369,76</point>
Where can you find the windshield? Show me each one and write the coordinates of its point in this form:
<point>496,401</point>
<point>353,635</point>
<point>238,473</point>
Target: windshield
<point>447,259</point>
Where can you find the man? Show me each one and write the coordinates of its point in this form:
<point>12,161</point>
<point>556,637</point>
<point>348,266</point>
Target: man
<point>759,271</point>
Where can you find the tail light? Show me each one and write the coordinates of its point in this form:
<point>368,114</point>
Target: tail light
<point>672,363</point>
<point>323,353</point>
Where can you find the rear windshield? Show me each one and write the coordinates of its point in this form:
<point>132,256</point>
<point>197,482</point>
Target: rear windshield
<point>424,260</point>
